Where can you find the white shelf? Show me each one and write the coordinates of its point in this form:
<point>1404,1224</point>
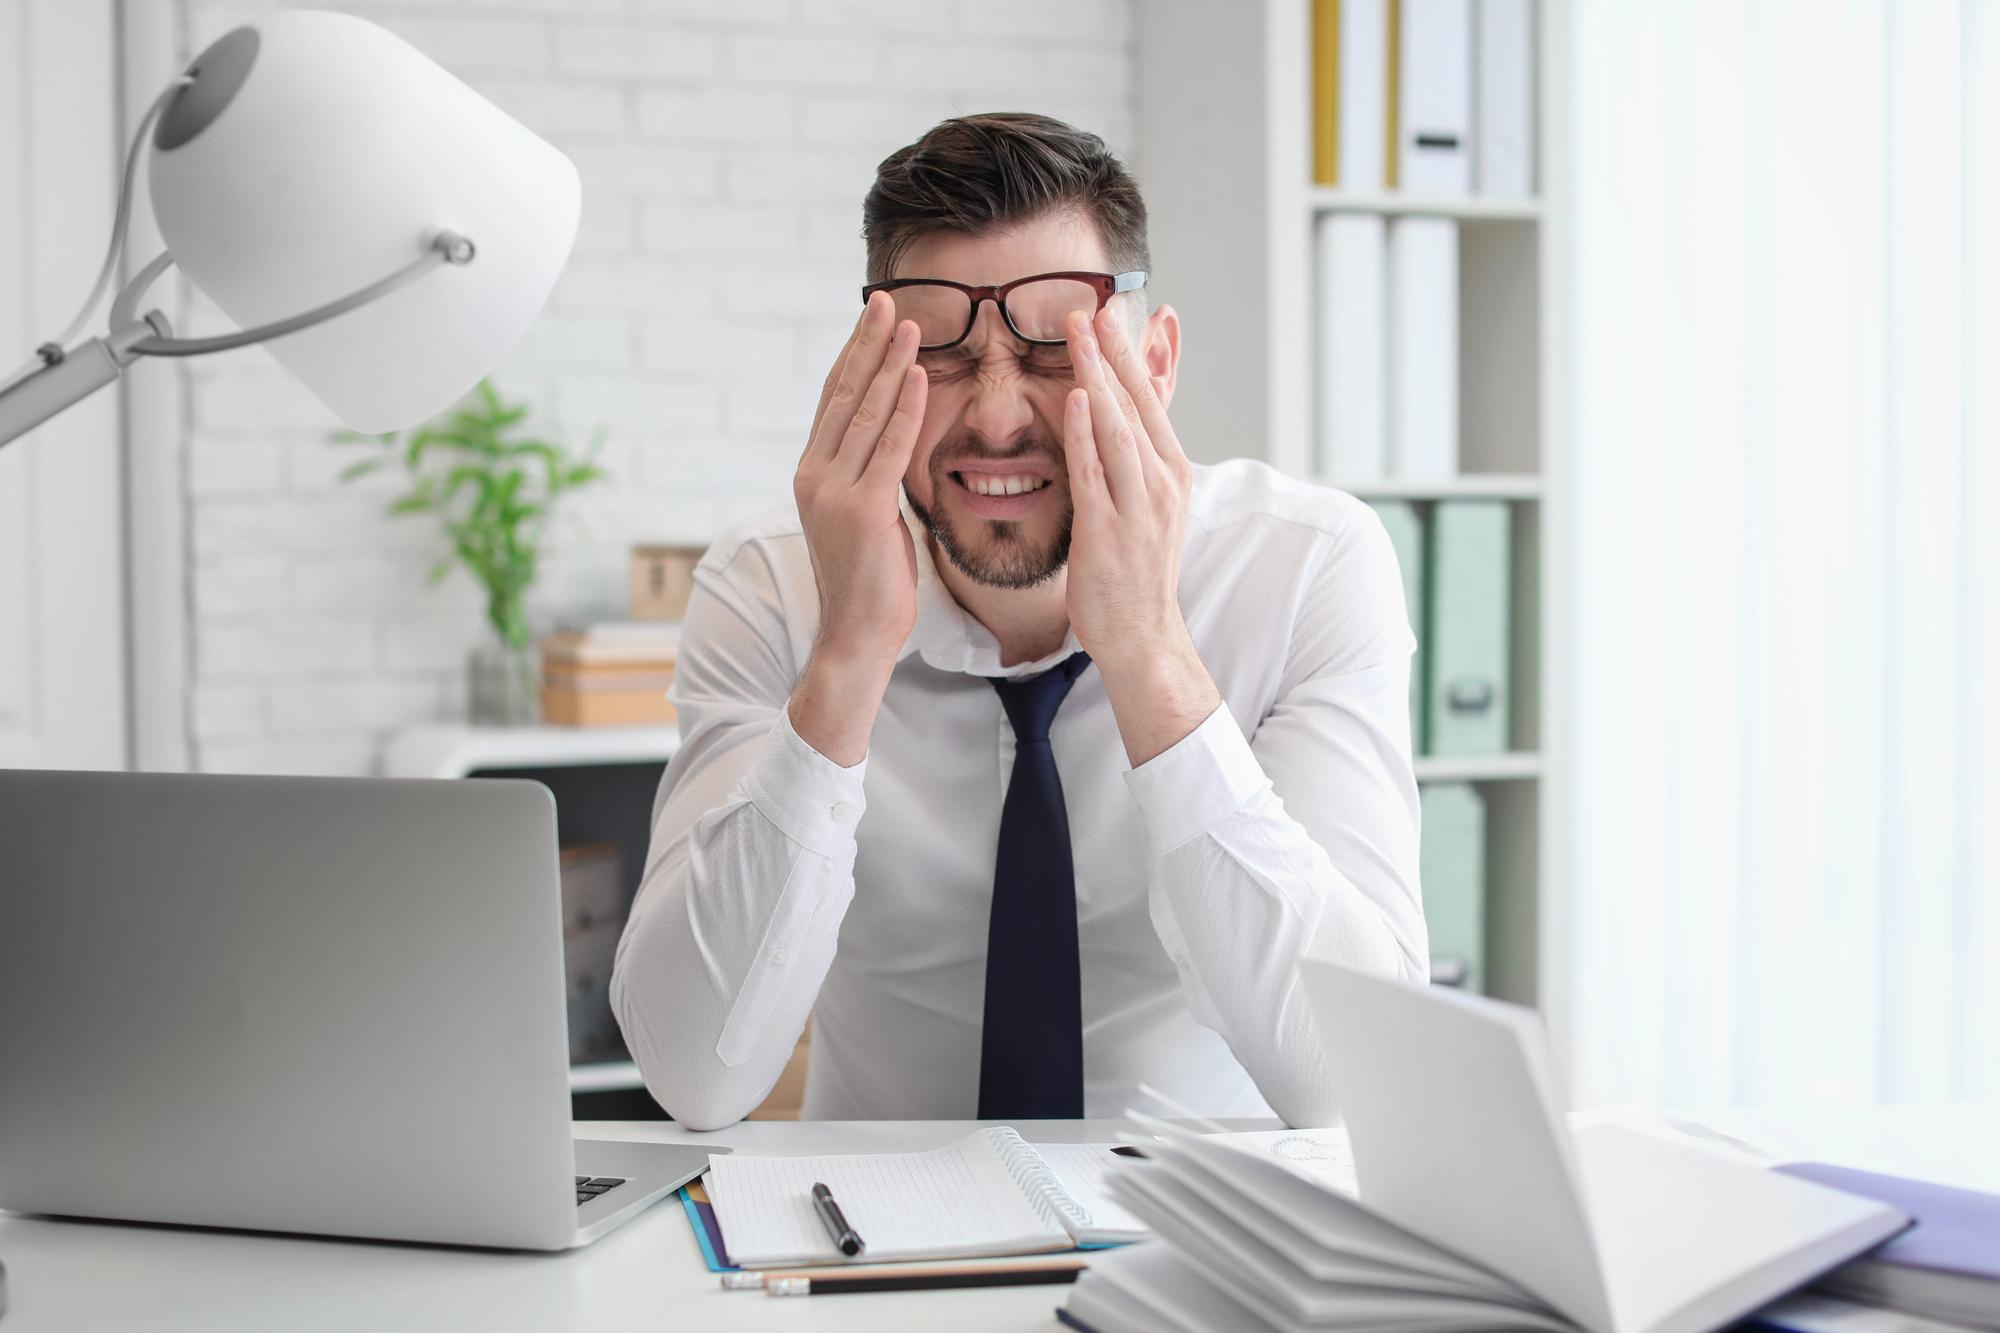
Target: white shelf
<point>1478,767</point>
<point>1234,214</point>
<point>1323,200</point>
<point>451,750</point>
<point>1465,486</point>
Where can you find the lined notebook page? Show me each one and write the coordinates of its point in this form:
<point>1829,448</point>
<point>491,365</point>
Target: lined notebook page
<point>1079,1168</point>
<point>955,1202</point>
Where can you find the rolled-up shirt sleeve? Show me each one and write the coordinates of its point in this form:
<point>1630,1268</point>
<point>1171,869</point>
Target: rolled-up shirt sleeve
<point>1294,835</point>
<point>751,869</point>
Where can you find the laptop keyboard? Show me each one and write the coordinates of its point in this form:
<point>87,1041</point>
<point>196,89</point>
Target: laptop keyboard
<point>589,1187</point>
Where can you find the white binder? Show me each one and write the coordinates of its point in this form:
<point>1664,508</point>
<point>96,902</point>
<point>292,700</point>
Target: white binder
<point>1434,115</point>
<point>1364,95</point>
<point>1423,348</point>
<point>1506,132</point>
<point>1353,389</point>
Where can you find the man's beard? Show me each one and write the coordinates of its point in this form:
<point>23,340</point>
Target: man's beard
<point>1005,560</point>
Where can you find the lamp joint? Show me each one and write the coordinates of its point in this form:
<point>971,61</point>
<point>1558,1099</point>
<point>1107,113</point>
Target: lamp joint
<point>455,248</point>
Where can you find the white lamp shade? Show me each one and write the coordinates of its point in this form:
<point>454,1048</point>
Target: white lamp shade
<point>341,154</point>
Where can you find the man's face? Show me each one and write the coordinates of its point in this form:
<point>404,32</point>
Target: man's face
<point>988,477</point>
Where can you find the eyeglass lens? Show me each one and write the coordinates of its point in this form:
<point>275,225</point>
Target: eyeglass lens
<point>1038,309</point>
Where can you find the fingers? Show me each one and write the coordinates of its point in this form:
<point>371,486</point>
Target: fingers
<point>1107,321</point>
<point>878,404</point>
<point>826,390</point>
<point>899,438</point>
<point>1086,468</point>
<point>1117,436</point>
<point>846,387</point>
<point>1121,350</point>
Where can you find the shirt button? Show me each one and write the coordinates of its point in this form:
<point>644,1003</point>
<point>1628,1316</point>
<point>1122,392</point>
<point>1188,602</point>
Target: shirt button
<point>778,957</point>
<point>839,810</point>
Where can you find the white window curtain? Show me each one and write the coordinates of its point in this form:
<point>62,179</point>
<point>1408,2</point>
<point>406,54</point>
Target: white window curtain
<point>1782,841</point>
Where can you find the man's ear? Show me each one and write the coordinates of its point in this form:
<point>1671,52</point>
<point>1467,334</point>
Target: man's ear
<point>1161,349</point>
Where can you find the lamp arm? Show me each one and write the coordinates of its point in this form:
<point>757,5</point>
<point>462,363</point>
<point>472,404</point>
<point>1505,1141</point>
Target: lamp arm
<point>84,369</point>
<point>34,398</point>
<point>447,247</point>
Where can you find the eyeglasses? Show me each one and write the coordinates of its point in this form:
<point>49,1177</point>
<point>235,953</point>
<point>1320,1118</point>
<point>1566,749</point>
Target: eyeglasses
<point>1036,309</point>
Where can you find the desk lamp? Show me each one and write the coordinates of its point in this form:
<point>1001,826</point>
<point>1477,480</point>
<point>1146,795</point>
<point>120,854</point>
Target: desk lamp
<point>383,230</point>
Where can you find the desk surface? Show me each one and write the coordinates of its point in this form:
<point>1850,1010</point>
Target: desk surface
<point>649,1275</point>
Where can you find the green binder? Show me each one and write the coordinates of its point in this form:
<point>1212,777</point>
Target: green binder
<point>1406,534</point>
<point>1465,689</point>
<point>1451,859</point>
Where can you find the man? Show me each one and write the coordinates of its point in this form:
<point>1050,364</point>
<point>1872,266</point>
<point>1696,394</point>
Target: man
<point>1034,787</point>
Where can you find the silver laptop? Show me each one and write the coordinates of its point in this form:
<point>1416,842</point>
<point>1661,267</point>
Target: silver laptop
<point>322,1005</point>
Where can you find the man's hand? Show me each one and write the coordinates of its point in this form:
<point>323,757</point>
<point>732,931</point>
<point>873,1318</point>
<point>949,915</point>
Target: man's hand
<point>1129,482</point>
<point>864,564</point>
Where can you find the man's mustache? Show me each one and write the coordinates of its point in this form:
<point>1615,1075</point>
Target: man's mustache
<point>952,453</point>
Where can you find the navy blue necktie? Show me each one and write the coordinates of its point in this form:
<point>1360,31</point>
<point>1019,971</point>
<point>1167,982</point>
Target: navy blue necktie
<point>1031,1052</point>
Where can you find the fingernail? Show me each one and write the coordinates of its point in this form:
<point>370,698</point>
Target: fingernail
<point>902,332</point>
<point>1090,349</point>
<point>1111,318</point>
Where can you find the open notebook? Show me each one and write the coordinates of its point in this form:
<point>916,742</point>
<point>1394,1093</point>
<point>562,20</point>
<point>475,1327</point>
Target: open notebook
<point>1478,1207</point>
<point>989,1193</point>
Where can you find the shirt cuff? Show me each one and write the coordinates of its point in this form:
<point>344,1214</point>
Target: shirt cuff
<point>1194,785</point>
<point>812,800</point>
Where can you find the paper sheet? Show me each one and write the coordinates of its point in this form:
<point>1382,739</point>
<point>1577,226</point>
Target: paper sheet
<point>954,1202</point>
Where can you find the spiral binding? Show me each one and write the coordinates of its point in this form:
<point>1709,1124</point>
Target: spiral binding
<point>1038,1184</point>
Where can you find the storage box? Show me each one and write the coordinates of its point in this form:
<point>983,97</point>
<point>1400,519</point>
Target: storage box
<point>605,708</point>
<point>662,581</point>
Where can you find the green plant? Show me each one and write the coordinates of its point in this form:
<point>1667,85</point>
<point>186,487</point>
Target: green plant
<point>492,486</point>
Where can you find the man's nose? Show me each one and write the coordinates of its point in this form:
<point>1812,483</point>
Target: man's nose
<point>999,410</point>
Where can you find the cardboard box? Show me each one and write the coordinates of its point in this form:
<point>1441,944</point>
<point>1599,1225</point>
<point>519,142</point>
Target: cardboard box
<point>605,708</point>
<point>662,581</point>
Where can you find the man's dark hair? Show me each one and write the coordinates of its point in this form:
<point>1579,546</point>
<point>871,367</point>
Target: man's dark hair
<point>985,173</point>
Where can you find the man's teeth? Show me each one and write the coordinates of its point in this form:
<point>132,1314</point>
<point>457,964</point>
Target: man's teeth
<point>1012,484</point>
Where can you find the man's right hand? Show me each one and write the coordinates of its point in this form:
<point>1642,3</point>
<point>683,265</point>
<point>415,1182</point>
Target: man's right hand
<point>870,413</point>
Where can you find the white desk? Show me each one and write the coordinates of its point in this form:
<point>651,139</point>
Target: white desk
<point>648,1274</point>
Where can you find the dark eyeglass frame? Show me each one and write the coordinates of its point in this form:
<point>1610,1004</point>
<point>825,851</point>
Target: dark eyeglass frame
<point>1107,285</point>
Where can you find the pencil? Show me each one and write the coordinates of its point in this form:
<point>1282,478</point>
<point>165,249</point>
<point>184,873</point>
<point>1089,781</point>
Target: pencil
<point>928,1278</point>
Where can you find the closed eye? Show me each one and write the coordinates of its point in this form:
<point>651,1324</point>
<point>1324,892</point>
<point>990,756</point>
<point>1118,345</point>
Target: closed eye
<point>945,367</point>
<point>949,367</point>
<point>1049,362</point>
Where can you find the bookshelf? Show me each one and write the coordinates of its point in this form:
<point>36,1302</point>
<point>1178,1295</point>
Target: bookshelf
<point>1224,154</point>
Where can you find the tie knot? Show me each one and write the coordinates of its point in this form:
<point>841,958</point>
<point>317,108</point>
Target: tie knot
<point>1031,703</point>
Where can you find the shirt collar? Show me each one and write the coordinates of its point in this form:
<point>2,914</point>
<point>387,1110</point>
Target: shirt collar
<point>947,635</point>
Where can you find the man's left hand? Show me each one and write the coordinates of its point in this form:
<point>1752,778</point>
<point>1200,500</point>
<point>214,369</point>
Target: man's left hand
<point>1129,482</point>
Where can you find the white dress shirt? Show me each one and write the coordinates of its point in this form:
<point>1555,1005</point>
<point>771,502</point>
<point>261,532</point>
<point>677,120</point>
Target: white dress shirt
<point>780,884</point>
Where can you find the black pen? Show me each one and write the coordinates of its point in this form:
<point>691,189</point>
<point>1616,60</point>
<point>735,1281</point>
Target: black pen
<point>829,1212</point>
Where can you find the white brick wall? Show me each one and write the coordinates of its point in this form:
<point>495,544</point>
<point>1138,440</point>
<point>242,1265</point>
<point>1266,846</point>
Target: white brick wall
<point>724,147</point>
